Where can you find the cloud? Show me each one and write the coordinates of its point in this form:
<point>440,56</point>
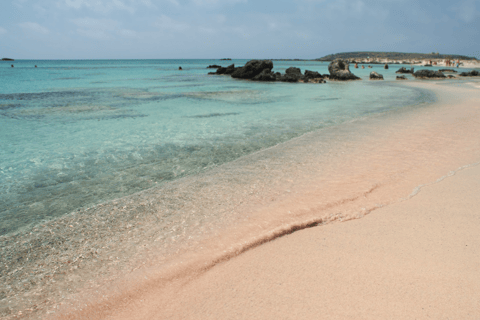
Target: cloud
<point>33,26</point>
<point>214,2</point>
<point>2,31</point>
<point>467,10</point>
<point>127,33</point>
<point>102,6</point>
<point>165,23</point>
<point>99,29</point>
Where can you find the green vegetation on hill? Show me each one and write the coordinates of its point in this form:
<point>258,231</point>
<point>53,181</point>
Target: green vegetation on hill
<point>392,56</point>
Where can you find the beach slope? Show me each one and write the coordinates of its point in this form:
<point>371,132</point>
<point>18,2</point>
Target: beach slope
<point>416,259</point>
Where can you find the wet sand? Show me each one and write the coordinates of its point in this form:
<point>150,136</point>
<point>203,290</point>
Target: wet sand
<point>417,259</point>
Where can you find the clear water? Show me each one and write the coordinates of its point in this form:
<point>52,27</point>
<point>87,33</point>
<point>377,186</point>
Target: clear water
<point>78,133</point>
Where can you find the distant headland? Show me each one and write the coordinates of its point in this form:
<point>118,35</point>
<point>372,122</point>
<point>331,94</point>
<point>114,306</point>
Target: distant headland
<point>391,56</point>
<point>7,59</point>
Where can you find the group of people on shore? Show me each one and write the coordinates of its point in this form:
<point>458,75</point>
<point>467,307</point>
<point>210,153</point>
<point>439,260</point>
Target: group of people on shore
<point>452,63</point>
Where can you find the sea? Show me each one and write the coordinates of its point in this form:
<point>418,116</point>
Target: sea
<point>76,135</point>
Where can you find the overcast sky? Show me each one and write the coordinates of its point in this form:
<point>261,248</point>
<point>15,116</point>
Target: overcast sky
<point>169,29</point>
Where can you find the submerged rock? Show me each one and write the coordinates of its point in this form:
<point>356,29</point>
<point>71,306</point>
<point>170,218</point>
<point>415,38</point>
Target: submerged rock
<point>429,74</point>
<point>339,70</point>
<point>214,66</point>
<point>447,70</point>
<point>473,73</point>
<point>252,68</point>
<point>401,78</point>
<point>375,76</point>
<point>404,70</point>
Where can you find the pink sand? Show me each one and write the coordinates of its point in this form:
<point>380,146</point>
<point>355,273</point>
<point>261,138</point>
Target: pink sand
<point>416,258</point>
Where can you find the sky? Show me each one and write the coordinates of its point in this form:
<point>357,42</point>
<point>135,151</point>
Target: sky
<point>212,29</point>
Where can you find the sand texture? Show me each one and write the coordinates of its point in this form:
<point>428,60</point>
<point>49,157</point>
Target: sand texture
<point>387,230</point>
<point>417,259</point>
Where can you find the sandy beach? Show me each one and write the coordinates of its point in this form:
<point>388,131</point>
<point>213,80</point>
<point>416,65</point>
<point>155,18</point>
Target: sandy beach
<point>418,259</point>
<point>391,234</point>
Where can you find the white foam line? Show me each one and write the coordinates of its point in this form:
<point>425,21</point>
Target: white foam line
<point>417,189</point>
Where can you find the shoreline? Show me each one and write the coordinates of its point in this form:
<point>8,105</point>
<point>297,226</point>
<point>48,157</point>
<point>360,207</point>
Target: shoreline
<point>413,259</point>
<point>443,151</point>
<point>315,179</point>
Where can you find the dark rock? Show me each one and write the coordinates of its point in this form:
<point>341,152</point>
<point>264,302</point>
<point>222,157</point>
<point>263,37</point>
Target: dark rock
<point>339,70</point>
<point>427,65</point>
<point>404,70</point>
<point>288,77</point>
<point>401,78</point>
<point>294,71</point>
<point>225,59</point>
<point>221,70</point>
<point>428,74</point>
<point>386,66</point>
<point>212,73</point>
<point>230,69</point>
<point>447,70</point>
<point>252,68</point>
<point>312,75</point>
<point>473,73</point>
<point>214,66</point>
<point>450,76</point>
<point>7,59</point>
<point>265,75</point>
<point>375,76</point>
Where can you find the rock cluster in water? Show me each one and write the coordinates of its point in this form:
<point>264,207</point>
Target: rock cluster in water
<point>375,76</point>
<point>473,73</point>
<point>404,70</point>
<point>401,78</point>
<point>339,70</point>
<point>447,70</point>
<point>428,74</point>
<point>261,70</point>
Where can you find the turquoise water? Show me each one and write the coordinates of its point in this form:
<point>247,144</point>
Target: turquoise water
<point>78,133</point>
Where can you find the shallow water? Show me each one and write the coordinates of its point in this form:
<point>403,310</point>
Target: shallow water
<point>77,133</point>
<point>75,158</point>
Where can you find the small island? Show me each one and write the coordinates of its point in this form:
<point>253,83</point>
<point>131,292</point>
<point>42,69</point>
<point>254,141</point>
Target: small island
<point>7,59</point>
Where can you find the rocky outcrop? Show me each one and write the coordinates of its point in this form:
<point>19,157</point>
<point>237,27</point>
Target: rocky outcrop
<point>294,71</point>
<point>375,76</point>
<point>404,70</point>
<point>230,69</point>
<point>261,70</point>
<point>428,74</point>
<point>7,59</point>
<point>221,70</point>
<point>265,75</point>
<point>288,77</point>
<point>311,75</point>
<point>214,66</point>
<point>473,73</point>
<point>401,78</point>
<point>339,70</point>
<point>292,74</point>
<point>447,70</point>
<point>252,68</point>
